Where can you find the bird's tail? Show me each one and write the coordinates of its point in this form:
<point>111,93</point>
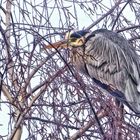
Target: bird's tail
<point>132,95</point>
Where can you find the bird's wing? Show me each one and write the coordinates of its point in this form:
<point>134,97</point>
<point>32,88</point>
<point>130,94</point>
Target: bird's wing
<point>114,65</point>
<point>109,57</point>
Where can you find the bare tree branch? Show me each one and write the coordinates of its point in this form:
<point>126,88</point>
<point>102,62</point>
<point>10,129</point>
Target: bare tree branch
<point>41,93</point>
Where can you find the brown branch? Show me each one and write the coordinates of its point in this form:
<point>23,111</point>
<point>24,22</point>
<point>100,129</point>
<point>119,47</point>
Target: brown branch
<point>120,14</point>
<point>54,123</point>
<point>23,62</point>
<point>105,15</point>
<point>84,128</point>
<point>23,113</point>
<point>128,28</point>
<point>134,38</point>
<point>47,81</point>
<point>10,64</point>
<point>34,71</point>
<point>7,93</point>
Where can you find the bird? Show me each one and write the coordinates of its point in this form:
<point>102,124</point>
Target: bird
<point>109,59</point>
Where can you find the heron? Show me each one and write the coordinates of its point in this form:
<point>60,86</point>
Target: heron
<point>109,59</point>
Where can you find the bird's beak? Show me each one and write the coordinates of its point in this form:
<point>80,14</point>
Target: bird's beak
<point>59,44</point>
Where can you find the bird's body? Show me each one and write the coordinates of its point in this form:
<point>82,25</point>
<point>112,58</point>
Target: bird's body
<point>109,58</point>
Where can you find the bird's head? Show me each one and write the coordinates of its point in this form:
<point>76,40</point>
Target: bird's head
<point>76,39</point>
<point>72,39</point>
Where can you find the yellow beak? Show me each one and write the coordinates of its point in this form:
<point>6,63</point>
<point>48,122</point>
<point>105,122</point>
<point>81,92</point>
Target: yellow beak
<point>67,42</point>
<point>59,44</point>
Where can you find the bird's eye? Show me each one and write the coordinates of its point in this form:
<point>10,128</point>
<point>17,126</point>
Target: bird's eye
<point>73,39</point>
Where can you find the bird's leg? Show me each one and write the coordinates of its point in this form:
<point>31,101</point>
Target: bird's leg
<point>120,107</point>
<point>118,120</point>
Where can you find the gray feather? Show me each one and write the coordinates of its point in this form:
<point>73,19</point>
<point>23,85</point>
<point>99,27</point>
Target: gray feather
<point>110,59</point>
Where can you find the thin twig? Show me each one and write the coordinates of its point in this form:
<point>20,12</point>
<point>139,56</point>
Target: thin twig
<point>90,123</point>
<point>119,14</point>
<point>105,15</point>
